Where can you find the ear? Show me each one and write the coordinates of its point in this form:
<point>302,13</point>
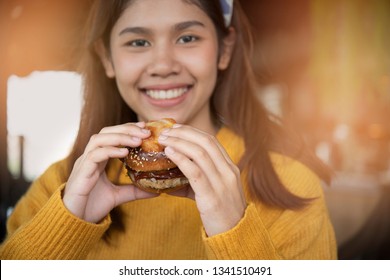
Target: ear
<point>105,58</point>
<point>227,49</point>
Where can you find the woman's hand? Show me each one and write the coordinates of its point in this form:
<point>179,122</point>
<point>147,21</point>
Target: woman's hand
<point>88,193</point>
<point>214,178</point>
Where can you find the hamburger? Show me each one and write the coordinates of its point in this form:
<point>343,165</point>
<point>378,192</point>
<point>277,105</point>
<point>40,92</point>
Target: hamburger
<point>147,165</point>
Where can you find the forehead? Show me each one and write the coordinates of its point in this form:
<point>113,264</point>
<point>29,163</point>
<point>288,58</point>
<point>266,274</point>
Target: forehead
<point>149,12</point>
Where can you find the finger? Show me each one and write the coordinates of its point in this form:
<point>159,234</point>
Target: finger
<point>198,137</point>
<point>127,128</point>
<point>190,133</point>
<point>126,193</point>
<point>100,155</point>
<point>208,159</point>
<point>205,156</point>
<point>90,165</point>
<point>184,192</point>
<point>197,178</point>
<point>129,134</point>
<point>112,139</point>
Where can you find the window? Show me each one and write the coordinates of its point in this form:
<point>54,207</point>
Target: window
<point>44,110</point>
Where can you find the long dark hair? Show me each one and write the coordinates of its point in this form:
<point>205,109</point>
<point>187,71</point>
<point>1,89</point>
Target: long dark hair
<point>234,103</point>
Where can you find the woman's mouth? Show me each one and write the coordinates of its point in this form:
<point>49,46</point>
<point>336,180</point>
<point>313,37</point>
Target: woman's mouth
<point>163,94</point>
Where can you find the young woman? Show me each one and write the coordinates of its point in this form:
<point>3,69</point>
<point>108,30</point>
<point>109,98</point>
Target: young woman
<point>248,198</point>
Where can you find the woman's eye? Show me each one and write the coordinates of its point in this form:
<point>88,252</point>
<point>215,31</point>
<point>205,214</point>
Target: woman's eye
<point>187,39</point>
<point>138,43</point>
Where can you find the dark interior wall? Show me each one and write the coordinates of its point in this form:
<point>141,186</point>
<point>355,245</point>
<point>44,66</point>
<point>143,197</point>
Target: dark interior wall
<point>283,37</point>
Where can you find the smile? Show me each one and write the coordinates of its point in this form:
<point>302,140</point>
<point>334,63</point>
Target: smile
<point>166,94</point>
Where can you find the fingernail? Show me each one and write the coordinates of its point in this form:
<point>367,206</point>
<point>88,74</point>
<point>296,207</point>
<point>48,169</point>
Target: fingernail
<point>140,124</point>
<point>162,137</point>
<point>136,138</point>
<point>145,131</point>
<point>165,131</point>
<point>176,125</point>
<point>169,151</point>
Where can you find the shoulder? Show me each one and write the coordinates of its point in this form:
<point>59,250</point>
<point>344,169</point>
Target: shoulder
<point>54,176</point>
<point>296,177</point>
<point>40,191</point>
<point>57,171</point>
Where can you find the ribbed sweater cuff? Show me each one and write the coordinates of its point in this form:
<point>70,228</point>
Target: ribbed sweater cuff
<point>55,233</point>
<point>249,239</point>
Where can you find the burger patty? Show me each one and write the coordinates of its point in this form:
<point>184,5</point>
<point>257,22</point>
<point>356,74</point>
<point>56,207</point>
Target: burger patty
<point>158,180</point>
<point>158,175</point>
<point>163,185</point>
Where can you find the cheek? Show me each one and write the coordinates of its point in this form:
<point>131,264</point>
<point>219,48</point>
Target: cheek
<point>127,68</point>
<point>203,65</point>
<point>127,72</point>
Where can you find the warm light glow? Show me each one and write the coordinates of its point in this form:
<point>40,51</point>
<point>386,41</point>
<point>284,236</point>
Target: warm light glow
<point>350,60</point>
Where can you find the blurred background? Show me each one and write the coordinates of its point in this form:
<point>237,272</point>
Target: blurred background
<point>323,66</point>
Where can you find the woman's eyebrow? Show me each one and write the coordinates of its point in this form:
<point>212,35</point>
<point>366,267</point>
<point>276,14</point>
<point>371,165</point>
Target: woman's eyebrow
<point>135,30</point>
<point>145,31</point>
<point>187,24</point>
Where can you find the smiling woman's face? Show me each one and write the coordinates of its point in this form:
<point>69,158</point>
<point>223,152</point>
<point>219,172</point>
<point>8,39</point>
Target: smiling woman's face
<point>164,57</point>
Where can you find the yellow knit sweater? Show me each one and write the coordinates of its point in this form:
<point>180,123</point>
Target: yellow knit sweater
<point>169,227</point>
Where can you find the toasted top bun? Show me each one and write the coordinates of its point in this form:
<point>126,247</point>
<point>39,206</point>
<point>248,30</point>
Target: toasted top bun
<point>150,155</point>
<point>151,144</point>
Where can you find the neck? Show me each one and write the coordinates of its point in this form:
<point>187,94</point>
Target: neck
<point>205,123</point>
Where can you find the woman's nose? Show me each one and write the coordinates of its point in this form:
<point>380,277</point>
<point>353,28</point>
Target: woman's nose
<point>163,62</point>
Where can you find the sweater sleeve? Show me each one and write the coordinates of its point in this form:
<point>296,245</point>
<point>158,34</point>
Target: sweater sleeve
<point>271,233</point>
<point>41,227</point>
<point>304,234</point>
<point>249,239</point>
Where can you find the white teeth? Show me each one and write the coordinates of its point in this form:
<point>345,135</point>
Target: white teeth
<point>166,94</point>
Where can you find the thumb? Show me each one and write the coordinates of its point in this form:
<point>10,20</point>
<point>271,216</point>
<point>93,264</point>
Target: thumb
<point>127,193</point>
